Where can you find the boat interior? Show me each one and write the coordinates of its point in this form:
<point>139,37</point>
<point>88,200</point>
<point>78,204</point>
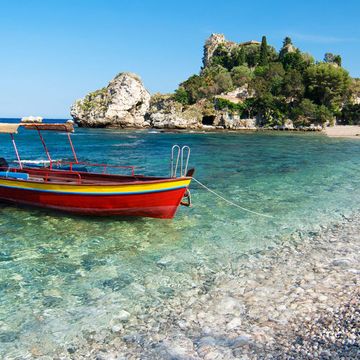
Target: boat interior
<point>60,176</point>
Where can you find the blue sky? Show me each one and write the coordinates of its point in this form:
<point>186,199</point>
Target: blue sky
<point>55,51</point>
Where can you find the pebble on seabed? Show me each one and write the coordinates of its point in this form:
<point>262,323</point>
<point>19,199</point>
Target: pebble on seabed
<point>297,301</point>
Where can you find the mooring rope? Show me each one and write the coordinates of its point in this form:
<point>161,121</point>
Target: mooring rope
<point>230,202</point>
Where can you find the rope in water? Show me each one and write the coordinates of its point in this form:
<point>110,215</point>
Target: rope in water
<point>228,201</point>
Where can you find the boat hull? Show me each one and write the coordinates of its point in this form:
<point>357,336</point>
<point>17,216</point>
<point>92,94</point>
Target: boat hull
<point>159,200</point>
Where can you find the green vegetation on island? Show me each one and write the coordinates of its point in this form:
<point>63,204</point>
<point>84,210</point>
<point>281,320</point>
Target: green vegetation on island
<point>283,85</point>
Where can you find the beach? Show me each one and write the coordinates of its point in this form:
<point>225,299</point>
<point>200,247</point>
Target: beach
<point>298,301</point>
<point>348,131</point>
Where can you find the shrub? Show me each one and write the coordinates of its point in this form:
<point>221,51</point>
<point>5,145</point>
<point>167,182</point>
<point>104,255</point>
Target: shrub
<point>241,75</point>
<point>222,56</point>
<point>305,113</point>
<point>324,115</point>
<point>293,85</point>
<point>350,114</point>
<point>182,96</point>
<point>327,85</point>
<point>192,86</point>
<point>224,104</point>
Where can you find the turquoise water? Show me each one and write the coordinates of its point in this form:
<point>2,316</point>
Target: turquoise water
<point>62,276</point>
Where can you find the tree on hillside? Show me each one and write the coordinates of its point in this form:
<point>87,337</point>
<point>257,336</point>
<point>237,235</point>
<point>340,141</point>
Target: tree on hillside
<point>350,114</point>
<point>263,52</point>
<point>240,75</point>
<point>192,86</point>
<point>327,85</point>
<point>293,86</point>
<point>330,58</point>
<point>287,41</point>
<point>238,56</point>
<point>217,80</point>
<point>305,113</point>
<point>338,60</point>
<point>296,60</point>
<point>222,57</point>
<point>271,109</point>
<point>252,55</point>
<point>268,79</point>
<point>274,74</point>
<point>182,96</point>
<point>223,83</point>
<point>272,55</point>
<point>210,72</point>
<point>324,115</point>
<point>259,86</point>
<point>249,107</point>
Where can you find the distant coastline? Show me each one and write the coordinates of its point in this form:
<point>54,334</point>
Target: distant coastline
<point>338,131</point>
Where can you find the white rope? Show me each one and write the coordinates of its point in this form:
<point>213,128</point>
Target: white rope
<point>228,201</point>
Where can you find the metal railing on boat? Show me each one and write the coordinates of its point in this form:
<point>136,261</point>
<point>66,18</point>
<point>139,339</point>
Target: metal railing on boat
<point>105,167</point>
<point>179,156</point>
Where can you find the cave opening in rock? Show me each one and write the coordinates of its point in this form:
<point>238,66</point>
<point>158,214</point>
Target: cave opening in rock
<point>208,120</point>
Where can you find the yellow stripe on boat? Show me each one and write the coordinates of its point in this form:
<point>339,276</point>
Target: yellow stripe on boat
<point>96,189</point>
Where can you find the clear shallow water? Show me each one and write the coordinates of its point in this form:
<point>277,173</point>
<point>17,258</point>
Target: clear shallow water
<point>63,276</point>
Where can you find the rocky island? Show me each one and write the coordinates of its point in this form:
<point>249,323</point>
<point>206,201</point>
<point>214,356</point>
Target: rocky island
<point>246,85</point>
<point>124,103</point>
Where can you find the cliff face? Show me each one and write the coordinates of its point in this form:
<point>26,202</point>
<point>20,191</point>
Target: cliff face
<point>215,40</point>
<point>165,112</point>
<point>210,46</point>
<point>123,103</point>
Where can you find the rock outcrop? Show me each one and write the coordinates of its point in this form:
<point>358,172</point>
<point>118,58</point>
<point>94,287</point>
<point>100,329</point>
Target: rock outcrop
<point>123,103</point>
<point>215,40</point>
<point>166,113</point>
<point>237,95</point>
<point>210,46</point>
<point>286,49</point>
<point>228,120</point>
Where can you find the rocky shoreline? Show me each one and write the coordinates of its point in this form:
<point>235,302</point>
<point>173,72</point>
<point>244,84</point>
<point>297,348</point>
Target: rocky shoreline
<point>297,300</point>
<point>125,103</point>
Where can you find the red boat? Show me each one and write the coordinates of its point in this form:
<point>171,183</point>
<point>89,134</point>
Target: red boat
<point>73,187</point>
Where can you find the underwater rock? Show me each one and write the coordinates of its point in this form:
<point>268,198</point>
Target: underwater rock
<point>166,292</point>
<point>123,315</point>
<point>119,282</point>
<point>8,336</point>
